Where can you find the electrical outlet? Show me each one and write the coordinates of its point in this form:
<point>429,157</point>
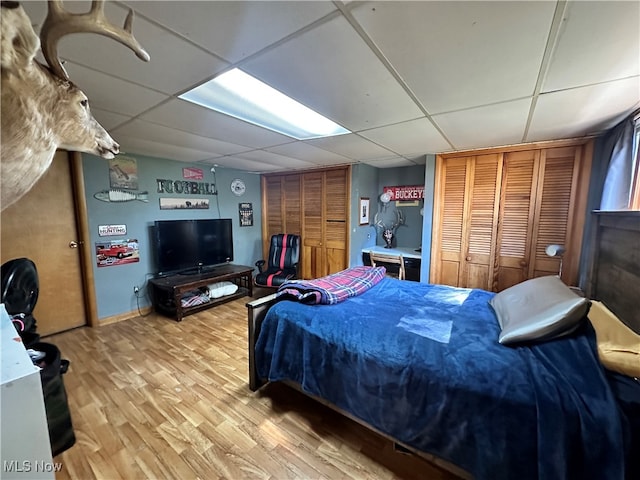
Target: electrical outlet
<point>136,289</point>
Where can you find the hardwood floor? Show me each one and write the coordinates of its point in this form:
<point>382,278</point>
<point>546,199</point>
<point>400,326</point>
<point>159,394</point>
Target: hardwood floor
<point>155,398</point>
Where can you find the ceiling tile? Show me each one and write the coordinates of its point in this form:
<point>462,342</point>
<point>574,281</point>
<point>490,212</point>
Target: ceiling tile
<point>189,117</point>
<point>580,111</point>
<point>159,133</point>
<point>309,153</point>
<point>331,70</point>
<point>134,145</point>
<point>599,41</point>
<point>112,94</point>
<point>109,120</point>
<point>234,30</point>
<point>240,163</point>
<point>351,146</point>
<point>169,53</point>
<point>455,55</point>
<point>281,161</point>
<point>390,162</point>
<point>493,125</point>
<point>407,138</point>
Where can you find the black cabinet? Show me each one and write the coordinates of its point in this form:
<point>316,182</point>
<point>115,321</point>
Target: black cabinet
<point>411,266</point>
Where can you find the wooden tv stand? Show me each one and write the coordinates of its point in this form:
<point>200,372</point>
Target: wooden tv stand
<point>167,292</point>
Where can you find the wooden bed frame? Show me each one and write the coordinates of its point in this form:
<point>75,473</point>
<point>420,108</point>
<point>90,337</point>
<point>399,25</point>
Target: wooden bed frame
<point>615,276</point>
<point>615,264</point>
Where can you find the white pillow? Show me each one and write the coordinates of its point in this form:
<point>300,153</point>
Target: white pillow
<point>220,289</point>
<point>538,309</point>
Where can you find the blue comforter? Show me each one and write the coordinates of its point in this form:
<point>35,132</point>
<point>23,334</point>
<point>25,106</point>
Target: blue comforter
<point>422,363</point>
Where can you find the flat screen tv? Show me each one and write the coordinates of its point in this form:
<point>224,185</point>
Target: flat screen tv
<point>191,246</point>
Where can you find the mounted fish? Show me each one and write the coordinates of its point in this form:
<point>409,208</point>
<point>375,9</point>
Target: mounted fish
<point>117,195</point>
<point>42,110</point>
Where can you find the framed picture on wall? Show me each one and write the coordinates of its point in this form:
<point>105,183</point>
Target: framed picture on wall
<point>364,211</point>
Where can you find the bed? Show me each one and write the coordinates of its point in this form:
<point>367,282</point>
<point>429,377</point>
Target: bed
<point>421,364</point>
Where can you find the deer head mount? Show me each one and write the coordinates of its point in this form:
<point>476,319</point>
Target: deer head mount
<point>42,110</point>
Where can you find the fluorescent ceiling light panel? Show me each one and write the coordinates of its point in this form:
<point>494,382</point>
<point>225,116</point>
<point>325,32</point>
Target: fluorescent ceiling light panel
<point>240,95</point>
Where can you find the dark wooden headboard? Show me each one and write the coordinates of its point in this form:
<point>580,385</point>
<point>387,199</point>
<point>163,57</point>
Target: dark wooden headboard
<point>615,268</point>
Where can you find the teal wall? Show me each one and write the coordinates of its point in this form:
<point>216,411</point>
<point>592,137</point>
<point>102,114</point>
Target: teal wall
<point>427,221</point>
<point>410,233</point>
<point>114,284</point>
<point>368,181</point>
<point>364,183</point>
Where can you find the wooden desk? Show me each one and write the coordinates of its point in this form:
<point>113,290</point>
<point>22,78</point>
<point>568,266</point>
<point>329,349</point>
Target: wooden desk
<point>412,259</point>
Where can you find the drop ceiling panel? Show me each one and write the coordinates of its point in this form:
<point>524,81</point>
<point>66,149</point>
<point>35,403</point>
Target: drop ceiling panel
<point>471,66</point>
<point>270,158</point>
<point>309,153</point>
<point>134,145</point>
<point>352,146</point>
<point>189,117</point>
<point>234,30</point>
<point>390,162</point>
<point>455,55</point>
<point>174,62</point>
<point>332,70</point>
<point>109,120</point>
<point>112,94</point>
<point>599,41</point>
<point>408,138</point>
<point>159,133</point>
<point>242,164</point>
<point>569,113</point>
<point>500,124</point>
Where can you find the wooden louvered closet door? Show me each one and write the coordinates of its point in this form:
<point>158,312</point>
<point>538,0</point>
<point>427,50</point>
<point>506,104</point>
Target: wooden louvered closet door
<point>313,260</point>
<point>281,207</point>
<point>449,244</point>
<point>314,205</point>
<point>557,179</point>
<point>468,221</point>
<point>496,211</point>
<point>483,218</point>
<point>517,208</point>
<point>325,228</point>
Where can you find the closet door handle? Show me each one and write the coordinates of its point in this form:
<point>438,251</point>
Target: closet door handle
<point>523,263</point>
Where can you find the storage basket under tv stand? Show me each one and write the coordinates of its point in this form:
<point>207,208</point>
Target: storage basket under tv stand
<point>167,291</point>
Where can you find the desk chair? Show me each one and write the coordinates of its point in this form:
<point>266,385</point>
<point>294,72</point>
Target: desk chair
<point>387,258</point>
<point>284,254</point>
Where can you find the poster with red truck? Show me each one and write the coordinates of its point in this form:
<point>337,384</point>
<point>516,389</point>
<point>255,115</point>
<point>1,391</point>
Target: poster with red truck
<point>117,252</point>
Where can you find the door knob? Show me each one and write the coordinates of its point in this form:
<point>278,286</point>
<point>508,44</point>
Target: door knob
<point>73,244</point>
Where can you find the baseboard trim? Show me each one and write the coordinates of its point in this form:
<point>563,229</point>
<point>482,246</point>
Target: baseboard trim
<point>124,316</point>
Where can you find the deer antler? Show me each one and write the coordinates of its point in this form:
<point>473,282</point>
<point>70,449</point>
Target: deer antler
<point>60,22</point>
<point>398,219</point>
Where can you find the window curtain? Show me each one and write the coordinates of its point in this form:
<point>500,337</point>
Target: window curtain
<point>616,191</point>
<point>610,153</point>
